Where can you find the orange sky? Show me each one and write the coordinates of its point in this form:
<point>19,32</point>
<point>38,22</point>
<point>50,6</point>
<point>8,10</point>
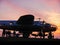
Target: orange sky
<point>48,10</point>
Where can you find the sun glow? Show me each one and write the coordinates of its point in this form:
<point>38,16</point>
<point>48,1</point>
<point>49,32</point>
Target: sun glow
<point>53,18</point>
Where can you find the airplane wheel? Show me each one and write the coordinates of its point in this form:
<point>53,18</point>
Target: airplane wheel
<point>25,35</point>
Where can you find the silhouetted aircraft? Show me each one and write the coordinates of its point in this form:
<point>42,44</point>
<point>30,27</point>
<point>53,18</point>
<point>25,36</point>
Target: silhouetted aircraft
<point>26,25</point>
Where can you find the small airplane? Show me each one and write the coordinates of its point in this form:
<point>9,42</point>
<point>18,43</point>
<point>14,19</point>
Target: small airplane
<point>26,24</point>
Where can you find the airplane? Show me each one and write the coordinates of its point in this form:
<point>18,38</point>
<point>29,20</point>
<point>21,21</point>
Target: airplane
<point>26,24</point>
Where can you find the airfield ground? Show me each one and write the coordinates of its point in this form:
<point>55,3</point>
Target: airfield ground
<point>13,39</point>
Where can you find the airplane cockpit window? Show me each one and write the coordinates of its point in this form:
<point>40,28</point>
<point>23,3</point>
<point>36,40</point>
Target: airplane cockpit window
<point>11,23</point>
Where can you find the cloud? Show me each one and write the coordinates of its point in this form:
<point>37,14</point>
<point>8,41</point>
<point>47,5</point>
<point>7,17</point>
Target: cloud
<point>10,12</point>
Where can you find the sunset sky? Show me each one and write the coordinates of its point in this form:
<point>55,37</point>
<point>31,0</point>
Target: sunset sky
<point>48,10</point>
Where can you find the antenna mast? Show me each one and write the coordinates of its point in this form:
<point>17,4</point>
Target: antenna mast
<point>39,19</point>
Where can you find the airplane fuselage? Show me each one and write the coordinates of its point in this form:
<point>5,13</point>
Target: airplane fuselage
<point>12,25</point>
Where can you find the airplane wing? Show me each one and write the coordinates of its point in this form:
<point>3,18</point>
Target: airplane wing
<point>21,28</point>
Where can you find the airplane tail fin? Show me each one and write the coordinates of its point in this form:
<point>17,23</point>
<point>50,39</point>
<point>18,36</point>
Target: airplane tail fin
<point>26,19</point>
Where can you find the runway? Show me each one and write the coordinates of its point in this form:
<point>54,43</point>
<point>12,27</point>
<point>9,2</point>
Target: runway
<point>15,39</point>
